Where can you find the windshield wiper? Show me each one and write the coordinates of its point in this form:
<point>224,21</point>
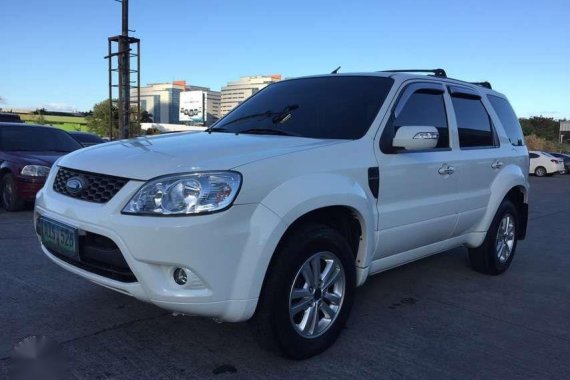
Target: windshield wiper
<point>252,116</point>
<point>216,129</point>
<point>266,131</point>
<point>277,118</point>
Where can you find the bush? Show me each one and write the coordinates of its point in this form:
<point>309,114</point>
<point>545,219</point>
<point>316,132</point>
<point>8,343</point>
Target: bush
<point>534,142</point>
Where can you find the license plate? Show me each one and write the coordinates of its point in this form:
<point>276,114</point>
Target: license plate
<point>59,238</point>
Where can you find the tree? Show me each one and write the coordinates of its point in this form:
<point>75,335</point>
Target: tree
<point>39,116</point>
<point>544,127</point>
<point>146,117</point>
<point>98,121</point>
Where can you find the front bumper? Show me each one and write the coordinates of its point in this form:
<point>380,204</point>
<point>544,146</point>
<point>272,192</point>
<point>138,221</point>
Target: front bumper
<point>228,252</point>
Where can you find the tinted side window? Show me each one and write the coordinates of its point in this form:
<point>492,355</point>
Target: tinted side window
<point>473,123</point>
<point>508,119</point>
<point>533,155</point>
<point>425,109</point>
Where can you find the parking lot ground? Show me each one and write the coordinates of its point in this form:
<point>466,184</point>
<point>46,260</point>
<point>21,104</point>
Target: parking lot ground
<point>435,318</point>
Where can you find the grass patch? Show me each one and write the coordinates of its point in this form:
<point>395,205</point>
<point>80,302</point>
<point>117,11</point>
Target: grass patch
<point>67,123</point>
<point>51,119</point>
<point>69,127</point>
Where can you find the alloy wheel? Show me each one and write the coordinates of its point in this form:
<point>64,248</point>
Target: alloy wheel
<point>317,294</point>
<point>505,239</point>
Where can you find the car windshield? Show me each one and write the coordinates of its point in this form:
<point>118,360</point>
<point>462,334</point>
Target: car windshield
<point>333,107</point>
<point>36,139</point>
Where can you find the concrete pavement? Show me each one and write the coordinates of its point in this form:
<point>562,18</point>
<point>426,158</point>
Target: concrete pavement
<point>434,318</point>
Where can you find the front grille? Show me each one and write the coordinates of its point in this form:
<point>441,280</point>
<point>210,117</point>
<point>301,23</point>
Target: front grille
<point>100,188</point>
<point>100,255</point>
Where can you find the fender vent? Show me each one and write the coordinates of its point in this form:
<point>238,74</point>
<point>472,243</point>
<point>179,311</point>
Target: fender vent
<point>374,180</point>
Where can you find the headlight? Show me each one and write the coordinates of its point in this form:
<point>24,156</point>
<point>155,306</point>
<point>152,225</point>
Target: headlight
<point>35,171</point>
<point>186,194</point>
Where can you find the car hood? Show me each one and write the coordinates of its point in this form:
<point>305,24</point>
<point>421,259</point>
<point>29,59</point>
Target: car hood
<point>34,158</point>
<point>144,158</point>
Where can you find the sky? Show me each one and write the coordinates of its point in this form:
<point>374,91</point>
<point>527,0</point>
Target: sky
<point>52,51</point>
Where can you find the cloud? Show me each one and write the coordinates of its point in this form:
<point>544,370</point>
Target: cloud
<point>60,107</point>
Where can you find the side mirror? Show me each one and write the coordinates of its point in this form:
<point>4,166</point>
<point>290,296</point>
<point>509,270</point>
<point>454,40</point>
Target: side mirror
<point>413,138</point>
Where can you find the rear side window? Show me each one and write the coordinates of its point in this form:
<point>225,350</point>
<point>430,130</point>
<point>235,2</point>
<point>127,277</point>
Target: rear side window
<point>425,109</point>
<point>533,155</point>
<point>473,123</point>
<point>508,118</point>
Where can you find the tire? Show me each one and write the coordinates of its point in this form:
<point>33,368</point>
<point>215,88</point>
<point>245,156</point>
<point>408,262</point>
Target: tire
<point>273,325</point>
<point>540,171</point>
<point>491,257</point>
<point>9,198</point>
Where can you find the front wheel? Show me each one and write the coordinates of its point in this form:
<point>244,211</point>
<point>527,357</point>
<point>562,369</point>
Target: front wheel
<point>496,253</point>
<point>9,198</point>
<point>308,293</point>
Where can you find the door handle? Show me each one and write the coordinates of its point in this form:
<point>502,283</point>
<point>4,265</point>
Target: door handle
<point>446,170</point>
<point>497,164</point>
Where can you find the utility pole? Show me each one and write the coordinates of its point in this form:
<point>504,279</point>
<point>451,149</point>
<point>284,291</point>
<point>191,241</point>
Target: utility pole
<point>124,54</point>
<point>124,75</point>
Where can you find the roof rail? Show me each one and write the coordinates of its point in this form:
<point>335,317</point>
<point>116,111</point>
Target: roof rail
<point>436,72</point>
<point>483,84</point>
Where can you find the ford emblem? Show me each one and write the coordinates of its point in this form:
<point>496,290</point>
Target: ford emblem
<point>75,185</point>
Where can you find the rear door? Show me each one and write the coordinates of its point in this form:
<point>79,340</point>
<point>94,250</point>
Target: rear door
<point>415,187</point>
<point>481,156</point>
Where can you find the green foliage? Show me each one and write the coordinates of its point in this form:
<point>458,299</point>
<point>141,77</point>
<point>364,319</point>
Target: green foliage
<point>146,117</point>
<point>543,127</point>
<point>98,120</point>
<point>54,120</point>
<point>39,111</point>
<point>39,117</point>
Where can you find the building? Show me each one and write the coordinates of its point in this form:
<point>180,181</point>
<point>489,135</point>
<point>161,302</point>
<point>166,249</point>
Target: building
<point>162,100</point>
<point>237,91</point>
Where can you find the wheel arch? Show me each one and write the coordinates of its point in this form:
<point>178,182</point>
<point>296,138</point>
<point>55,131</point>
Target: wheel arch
<point>341,202</point>
<point>328,196</point>
<point>511,183</point>
<point>3,171</point>
<point>346,220</point>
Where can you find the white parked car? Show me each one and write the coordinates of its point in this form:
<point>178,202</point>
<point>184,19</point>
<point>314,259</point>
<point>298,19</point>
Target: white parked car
<point>542,163</point>
<point>291,201</point>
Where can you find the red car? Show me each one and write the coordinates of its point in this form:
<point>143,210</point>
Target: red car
<point>27,153</point>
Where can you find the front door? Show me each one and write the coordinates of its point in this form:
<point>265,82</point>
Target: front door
<point>415,201</point>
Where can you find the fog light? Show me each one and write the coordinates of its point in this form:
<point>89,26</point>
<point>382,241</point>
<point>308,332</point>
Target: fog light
<point>180,276</point>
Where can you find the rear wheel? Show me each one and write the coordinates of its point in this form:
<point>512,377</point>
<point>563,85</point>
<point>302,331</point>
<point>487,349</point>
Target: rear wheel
<point>9,194</point>
<point>308,293</point>
<point>496,253</point>
<point>540,171</point>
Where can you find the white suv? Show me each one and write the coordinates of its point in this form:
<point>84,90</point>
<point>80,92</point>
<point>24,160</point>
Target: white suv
<point>286,205</point>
